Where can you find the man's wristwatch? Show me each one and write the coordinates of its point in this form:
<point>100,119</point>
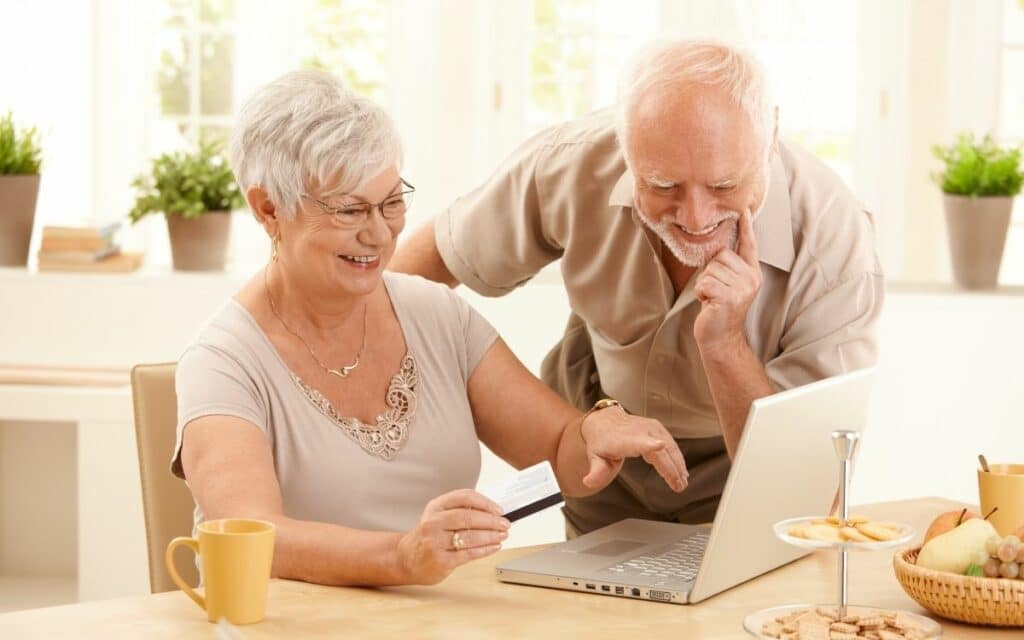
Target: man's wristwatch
<point>603,403</point>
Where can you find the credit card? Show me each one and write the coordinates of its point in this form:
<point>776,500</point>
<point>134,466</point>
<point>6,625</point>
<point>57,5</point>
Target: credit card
<point>525,493</point>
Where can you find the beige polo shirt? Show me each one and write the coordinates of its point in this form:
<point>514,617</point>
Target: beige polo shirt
<point>566,194</point>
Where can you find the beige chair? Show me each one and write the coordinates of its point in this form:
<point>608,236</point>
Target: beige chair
<point>166,500</point>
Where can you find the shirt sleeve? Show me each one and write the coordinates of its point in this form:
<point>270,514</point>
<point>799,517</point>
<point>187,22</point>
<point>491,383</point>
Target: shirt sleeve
<point>496,237</point>
<point>832,335</point>
<point>209,381</point>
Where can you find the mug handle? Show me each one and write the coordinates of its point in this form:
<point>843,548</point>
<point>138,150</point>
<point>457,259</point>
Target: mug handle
<point>192,544</point>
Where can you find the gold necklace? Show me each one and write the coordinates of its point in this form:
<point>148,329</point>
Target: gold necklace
<point>345,369</point>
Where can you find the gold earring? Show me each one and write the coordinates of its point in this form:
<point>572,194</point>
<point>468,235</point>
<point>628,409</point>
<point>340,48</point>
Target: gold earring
<point>273,249</point>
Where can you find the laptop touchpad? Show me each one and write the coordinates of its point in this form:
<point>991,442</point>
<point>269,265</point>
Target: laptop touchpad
<point>613,548</point>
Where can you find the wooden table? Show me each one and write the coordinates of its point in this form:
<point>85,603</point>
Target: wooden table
<point>473,604</point>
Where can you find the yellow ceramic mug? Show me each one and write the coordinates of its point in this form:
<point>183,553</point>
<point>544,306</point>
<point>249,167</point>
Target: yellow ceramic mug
<point>235,556</point>
<point>1003,486</point>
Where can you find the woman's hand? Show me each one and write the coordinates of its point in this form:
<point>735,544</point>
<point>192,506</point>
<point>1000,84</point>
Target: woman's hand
<point>612,435</point>
<point>455,528</point>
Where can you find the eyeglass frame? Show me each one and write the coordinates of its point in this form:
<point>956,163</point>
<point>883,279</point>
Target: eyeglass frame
<point>366,212</point>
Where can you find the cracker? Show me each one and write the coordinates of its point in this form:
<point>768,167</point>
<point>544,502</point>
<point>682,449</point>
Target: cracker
<point>854,535</point>
<point>876,531</point>
<point>874,622</point>
<point>845,627</point>
<point>823,532</point>
<point>826,612</point>
<point>813,628</point>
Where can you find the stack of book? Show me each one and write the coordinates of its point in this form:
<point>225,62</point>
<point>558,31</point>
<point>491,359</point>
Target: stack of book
<point>84,249</point>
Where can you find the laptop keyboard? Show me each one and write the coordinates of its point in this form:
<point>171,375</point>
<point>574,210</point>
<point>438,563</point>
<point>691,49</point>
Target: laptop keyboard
<point>680,561</point>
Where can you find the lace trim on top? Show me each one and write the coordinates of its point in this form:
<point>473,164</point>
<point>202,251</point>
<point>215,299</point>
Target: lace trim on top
<point>386,438</point>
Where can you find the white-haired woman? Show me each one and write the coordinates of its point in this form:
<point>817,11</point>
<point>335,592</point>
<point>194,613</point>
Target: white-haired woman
<point>346,404</point>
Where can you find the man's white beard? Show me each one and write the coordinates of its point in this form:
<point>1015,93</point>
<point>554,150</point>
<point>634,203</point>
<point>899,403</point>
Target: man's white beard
<point>694,255</point>
<point>698,255</point>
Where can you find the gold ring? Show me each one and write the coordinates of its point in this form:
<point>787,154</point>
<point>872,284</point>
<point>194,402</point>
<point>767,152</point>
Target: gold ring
<point>457,542</point>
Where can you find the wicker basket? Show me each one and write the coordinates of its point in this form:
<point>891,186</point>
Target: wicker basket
<point>993,601</point>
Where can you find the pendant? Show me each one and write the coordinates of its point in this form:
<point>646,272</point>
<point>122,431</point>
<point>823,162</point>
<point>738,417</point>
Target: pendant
<point>344,370</point>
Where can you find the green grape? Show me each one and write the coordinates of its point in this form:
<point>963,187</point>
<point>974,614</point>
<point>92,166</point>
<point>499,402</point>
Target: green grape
<point>991,568</point>
<point>992,545</point>
<point>1009,570</point>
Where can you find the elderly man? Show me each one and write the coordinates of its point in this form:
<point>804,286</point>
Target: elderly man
<point>707,264</point>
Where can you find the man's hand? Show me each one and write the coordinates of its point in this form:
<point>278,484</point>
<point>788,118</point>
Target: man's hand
<point>611,435</point>
<point>726,288</point>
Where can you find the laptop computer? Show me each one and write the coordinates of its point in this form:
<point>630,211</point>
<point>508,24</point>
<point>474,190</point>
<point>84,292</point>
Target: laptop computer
<point>785,467</point>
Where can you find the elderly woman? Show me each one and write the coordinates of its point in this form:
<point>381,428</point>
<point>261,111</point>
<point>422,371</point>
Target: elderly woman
<point>345,403</point>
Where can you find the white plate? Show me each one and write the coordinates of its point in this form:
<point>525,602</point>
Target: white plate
<point>782,532</point>
<point>754,622</point>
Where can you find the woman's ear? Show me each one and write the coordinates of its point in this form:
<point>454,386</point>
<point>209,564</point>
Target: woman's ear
<point>263,208</point>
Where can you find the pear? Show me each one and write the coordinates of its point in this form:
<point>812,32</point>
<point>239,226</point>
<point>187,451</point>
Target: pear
<point>955,550</point>
<point>948,521</point>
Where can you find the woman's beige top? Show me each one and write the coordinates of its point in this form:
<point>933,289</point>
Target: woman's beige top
<point>332,468</point>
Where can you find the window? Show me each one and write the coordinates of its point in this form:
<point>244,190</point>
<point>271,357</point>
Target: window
<point>810,51</point>
<point>575,54</point>
<point>194,75</point>
<point>345,37</point>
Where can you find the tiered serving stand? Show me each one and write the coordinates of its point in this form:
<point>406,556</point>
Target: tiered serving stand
<point>845,446</point>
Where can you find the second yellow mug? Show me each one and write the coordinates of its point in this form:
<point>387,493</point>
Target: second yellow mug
<point>235,556</point>
<point>1003,487</point>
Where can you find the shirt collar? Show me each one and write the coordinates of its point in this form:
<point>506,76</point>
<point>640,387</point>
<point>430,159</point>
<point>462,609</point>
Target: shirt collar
<point>773,227</point>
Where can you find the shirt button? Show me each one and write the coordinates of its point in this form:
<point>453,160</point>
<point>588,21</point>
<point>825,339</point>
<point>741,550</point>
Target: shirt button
<point>657,397</point>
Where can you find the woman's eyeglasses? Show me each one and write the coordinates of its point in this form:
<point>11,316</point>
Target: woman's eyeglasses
<point>358,214</point>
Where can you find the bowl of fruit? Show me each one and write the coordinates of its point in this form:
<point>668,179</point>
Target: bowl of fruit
<point>966,571</point>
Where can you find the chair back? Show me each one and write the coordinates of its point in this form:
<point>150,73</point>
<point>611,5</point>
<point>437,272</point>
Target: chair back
<point>166,499</point>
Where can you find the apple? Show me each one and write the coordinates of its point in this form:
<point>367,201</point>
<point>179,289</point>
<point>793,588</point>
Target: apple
<point>956,549</point>
<point>947,522</point>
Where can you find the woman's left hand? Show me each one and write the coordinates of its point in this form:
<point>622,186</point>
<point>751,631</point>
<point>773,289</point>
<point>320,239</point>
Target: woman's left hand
<point>612,435</point>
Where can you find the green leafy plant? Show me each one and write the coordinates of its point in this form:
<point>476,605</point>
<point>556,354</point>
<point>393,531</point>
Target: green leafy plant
<point>979,168</point>
<point>20,152</point>
<point>187,184</point>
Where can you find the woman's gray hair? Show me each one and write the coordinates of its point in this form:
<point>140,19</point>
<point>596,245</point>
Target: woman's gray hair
<point>307,130</point>
<point>676,63</point>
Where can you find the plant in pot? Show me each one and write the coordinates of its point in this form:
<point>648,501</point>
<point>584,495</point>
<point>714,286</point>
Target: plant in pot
<point>20,159</point>
<point>196,192</point>
<point>979,182</point>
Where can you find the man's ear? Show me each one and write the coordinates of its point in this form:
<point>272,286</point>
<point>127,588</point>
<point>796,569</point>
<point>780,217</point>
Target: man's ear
<point>263,208</point>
